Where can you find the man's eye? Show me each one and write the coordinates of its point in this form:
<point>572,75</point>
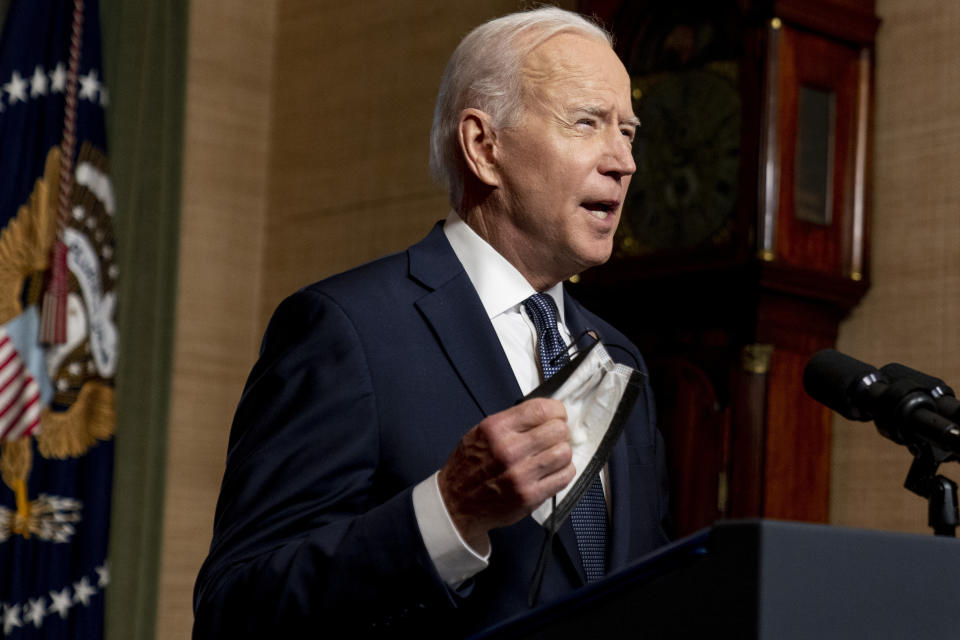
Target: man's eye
<point>628,134</point>
<point>590,122</point>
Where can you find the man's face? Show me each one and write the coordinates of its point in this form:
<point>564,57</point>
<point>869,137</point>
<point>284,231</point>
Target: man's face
<point>566,165</point>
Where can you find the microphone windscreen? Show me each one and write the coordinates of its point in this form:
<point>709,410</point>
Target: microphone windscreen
<point>897,371</point>
<point>832,378</point>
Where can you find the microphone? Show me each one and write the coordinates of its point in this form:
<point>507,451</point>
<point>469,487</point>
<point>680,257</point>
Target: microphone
<point>903,410</point>
<point>943,396</point>
<point>841,383</point>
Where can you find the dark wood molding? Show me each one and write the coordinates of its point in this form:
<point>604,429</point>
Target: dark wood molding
<point>834,19</point>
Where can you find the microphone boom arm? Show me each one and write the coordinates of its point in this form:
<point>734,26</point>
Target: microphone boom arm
<point>940,491</point>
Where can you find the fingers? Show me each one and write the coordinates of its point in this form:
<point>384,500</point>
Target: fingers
<point>549,466</point>
<point>509,448</point>
<point>535,412</point>
<point>537,477</point>
<point>506,466</point>
<point>525,430</point>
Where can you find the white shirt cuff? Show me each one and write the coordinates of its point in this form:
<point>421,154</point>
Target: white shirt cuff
<point>454,559</point>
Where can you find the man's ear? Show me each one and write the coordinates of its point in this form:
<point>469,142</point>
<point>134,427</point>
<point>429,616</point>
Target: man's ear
<point>477,141</point>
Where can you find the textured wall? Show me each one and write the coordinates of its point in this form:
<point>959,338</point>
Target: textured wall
<point>226,148</point>
<point>912,312</point>
<point>353,101</point>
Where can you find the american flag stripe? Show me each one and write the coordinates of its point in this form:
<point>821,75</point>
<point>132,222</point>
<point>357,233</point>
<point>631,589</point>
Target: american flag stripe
<point>27,419</point>
<point>19,394</point>
<point>7,352</point>
<point>10,375</point>
<point>13,397</point>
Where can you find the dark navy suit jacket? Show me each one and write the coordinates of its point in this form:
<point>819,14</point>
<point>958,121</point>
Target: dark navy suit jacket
<point>365,383</point>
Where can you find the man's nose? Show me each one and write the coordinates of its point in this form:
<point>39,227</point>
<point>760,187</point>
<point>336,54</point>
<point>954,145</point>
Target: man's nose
<point>618,159</point>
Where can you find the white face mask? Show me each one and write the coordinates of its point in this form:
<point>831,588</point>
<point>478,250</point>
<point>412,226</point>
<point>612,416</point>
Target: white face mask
<point>598,394</point>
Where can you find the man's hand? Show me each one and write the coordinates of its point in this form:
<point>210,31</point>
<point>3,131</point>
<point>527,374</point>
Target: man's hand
<point>506,466</point>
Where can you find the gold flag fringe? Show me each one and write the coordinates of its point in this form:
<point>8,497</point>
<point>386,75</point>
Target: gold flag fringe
<point>70,433</point>
<point>26,242</point>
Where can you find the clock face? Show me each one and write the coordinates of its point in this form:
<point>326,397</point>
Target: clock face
<point>687,152</point>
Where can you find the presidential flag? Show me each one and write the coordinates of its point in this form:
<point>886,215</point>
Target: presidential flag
<point>58,351</point>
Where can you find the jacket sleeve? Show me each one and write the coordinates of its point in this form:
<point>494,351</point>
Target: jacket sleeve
<point>301,542</point>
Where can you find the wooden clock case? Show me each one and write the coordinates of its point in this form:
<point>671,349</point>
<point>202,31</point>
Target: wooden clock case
<point>728,322</point>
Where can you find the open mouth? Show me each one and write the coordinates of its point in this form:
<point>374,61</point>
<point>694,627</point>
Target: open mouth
<point>601,208</point>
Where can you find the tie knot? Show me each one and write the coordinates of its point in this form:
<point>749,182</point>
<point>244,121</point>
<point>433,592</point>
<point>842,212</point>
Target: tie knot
<point>542,311</point>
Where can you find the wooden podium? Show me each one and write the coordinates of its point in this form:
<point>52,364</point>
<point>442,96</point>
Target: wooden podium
<point>770,580</point>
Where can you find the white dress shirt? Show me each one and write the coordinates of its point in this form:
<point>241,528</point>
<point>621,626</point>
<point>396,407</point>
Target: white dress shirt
<point>502,290</point>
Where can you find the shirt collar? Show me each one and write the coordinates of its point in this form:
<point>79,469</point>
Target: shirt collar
<point>498,283</point>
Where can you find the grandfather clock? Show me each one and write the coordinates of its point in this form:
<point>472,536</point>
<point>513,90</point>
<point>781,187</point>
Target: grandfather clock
<point>744,237</point>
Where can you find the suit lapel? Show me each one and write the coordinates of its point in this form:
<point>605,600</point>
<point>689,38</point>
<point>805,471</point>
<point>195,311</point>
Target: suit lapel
<point>620,506</point>
<point>455,314</point>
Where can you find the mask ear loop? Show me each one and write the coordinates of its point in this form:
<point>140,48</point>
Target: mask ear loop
<point>551,525</point>
<point>536,584</point>
<point>574,347</point>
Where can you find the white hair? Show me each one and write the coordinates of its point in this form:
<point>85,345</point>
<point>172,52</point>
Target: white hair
<point>485,72</point>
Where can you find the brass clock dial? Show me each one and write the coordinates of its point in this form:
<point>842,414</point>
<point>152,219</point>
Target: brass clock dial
<point>687,152</point>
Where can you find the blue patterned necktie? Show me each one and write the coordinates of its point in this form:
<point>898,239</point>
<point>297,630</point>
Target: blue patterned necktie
<point>589,516</point>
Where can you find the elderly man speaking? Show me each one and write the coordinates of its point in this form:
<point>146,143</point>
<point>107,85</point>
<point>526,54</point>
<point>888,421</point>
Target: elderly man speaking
<point>382,469</point>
